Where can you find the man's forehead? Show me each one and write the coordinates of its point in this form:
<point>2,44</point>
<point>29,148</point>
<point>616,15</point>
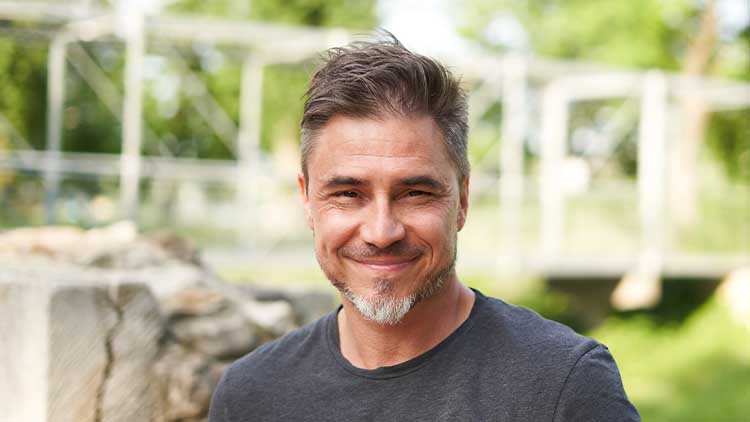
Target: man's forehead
<point>396,135</point>
<point>391,149</point>
<point>346,138</point>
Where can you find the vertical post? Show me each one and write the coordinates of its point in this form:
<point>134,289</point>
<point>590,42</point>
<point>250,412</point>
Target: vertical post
<point>513,130</point>
<point>251,95</point>
<point>554,132</point>
<point>652,165</point>
<point>641,286</point>
<point>55,104</point>
<point>132,119</point>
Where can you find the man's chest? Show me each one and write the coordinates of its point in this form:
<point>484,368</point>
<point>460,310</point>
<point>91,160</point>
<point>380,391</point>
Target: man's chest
<point>468,393</point>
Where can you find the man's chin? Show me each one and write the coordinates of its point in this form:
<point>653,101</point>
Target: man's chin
<point>382,308</point>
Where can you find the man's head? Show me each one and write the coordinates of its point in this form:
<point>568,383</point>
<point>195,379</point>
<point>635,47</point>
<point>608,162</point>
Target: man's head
<point>385,175</point>
<point>383,78</point>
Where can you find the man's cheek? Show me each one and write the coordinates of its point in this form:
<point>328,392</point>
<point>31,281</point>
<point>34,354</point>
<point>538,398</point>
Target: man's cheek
<point>331,234</point>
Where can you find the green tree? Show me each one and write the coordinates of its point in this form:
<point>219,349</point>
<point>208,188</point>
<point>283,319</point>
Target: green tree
<point>679,35</point>
<point>283,85</point>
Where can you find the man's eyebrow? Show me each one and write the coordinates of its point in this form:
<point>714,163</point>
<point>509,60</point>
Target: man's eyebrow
<point>427,181</point>
<point>337,181</point>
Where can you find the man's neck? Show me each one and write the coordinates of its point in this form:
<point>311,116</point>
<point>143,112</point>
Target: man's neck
<point>369,345</point>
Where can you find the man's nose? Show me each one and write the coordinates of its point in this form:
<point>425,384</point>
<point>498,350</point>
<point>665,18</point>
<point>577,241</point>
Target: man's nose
<point>382,228</point>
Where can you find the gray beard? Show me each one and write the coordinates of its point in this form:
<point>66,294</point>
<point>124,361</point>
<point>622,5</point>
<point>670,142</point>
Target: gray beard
<point>387,309</point>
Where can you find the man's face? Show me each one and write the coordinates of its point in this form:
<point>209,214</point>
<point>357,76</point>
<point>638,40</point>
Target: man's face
<point>384,203</point>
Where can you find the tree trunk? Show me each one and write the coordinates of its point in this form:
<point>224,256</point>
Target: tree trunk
<point>684,183</point>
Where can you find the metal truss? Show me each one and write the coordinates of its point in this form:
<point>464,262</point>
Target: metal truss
<point>515,81</point>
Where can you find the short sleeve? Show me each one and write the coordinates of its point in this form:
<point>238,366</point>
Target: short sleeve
<point>594,391</point>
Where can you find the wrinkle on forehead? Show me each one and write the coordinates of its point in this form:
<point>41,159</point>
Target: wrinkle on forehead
<point>374,148</point>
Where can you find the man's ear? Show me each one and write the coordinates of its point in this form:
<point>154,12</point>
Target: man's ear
<point>463,203</point>
<point>305,200</point>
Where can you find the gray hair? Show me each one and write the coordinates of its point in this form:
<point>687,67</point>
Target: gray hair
<point>381,78</point>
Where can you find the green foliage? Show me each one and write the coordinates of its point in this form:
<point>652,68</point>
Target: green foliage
<point>283,90</point>
<point>646,33</point>
<point>695,371</point>
<point>88,126</point>
<point>23,83</point>
<point>353,14</point>
<point>729,141</point>
<point>283,85</point>
<point>637,33</point>
<point>175,120</point>
<point>724,218</point>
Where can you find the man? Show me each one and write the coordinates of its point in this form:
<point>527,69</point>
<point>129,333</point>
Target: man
<point>385,184</point>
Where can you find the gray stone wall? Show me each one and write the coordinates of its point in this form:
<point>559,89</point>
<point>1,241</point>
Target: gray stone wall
<point>106,325</point>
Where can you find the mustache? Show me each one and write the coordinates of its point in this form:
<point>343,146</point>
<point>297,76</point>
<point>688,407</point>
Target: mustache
<point>366,250</point>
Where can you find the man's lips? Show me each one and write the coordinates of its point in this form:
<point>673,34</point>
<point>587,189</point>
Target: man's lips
<point>395,263</point>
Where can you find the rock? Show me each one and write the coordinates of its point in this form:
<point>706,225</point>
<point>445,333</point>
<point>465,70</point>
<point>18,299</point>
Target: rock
<point>114,246</point>
<point>76,349</point>
<point>179,248</point>
<point>193,301</point>
<point>308,304</point>
<point>69,243</point>
<point>134,255</point>
<point>223,334</point>
<point>189,378</point>
<point>48,241</point>
<point>78,322</point>
<point>105,325</point>
<point>168,278</point>
<point>131,392</point>
<point>275,318</point>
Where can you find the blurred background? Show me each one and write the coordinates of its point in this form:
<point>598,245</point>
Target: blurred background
<point>610,145</point>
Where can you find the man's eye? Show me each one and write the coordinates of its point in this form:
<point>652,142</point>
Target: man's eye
<point>418,193</point>
<point>346,194</point>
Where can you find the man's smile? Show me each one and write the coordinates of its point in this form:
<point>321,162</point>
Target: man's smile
<point>390,264</point>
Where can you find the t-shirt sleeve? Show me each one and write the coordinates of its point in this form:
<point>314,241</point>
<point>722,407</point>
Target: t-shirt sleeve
<point>594,391</point>
<point>217,410</point>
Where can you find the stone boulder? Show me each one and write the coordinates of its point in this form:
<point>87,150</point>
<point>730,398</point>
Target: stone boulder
<point>106,325</point>
<point>189,379</point>
<point>78,350</point>
<point>210,323</point>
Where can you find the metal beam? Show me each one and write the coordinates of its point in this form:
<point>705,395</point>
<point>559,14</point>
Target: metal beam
<point>269,40</point>
<point>554,133</point>
<point>46,12</point>
<point>132,120</point>
<point>514,129</point>
<point>55,104</point>
<point>251,95</point>
<point>208,108</point>
<point>161,168</point>
<point>652,138</point>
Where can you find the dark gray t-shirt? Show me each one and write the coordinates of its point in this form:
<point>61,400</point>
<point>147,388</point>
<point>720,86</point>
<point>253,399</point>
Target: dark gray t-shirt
<point>504,363</point>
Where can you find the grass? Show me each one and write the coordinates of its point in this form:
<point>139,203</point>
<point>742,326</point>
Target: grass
<point>695,371</point>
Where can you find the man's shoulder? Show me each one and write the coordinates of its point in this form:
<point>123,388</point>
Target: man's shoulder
<point>270,371</point>
<point>524,333</point>
<point>280,355</point>
<point>574,377</point>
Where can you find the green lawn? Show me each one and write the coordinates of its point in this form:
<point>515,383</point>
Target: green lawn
<point>697,371</point>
